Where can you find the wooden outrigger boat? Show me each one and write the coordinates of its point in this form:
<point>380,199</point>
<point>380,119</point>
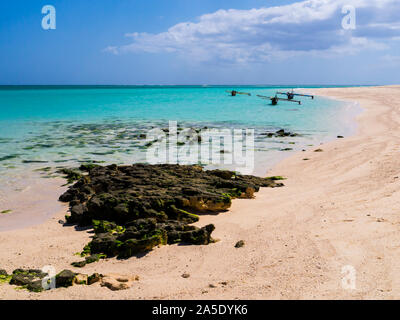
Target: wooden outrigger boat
<point>234,93</point>
<point>290,95</point>
<point>275,100</point>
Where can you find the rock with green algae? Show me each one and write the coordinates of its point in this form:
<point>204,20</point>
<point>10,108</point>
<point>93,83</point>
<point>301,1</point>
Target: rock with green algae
<point>30,279</point>
<point>136,208</point>
<point>280,134</point>
<point>65,278</point>
<point>95,277</point>
<point>4,276</point>
<point>70,174</point>
<point>90,259</point>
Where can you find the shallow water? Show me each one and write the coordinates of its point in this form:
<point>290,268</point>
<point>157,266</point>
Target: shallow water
<point>64,126</point>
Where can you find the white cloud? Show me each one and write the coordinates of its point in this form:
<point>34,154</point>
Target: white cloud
<point>307,27</point>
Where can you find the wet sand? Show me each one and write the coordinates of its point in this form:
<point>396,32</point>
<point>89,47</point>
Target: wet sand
<point>339,208</point>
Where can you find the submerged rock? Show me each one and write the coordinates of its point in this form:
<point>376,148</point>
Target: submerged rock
<point>135,208</point>
<point>280,134</point>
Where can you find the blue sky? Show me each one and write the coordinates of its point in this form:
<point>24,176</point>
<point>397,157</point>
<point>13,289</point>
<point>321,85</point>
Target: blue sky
<point>200,42</point>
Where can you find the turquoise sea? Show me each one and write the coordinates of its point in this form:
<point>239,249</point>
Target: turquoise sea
<point>49,126</point>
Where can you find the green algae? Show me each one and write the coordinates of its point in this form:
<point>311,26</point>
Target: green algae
<point>5,278</point>
<point>276,178</point>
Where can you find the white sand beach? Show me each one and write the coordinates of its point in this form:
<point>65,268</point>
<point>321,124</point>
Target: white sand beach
<point>339,208</point>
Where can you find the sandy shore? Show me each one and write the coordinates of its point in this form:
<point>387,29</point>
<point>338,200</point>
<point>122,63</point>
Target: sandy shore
<point>339,208</point>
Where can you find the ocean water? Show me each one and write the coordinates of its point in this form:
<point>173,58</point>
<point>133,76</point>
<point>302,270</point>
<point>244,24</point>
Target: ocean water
<point>65,126</point>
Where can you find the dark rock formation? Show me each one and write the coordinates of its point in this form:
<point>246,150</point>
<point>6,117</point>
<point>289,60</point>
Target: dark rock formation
<point>90,259</point>
<point>280,134</point>
<point>239,244</point>
<point>30,279</point>
<point>65,278</point>
<point>135,208</point>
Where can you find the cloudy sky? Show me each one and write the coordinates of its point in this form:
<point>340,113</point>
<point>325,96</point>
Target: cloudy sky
<point>201,42</point>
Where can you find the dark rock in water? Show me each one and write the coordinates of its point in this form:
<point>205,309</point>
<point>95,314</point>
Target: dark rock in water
<point>280,133</point>
<point>70,174</point>
<point>65,278</point>
<point>239,244</point>
<point>135,208</point>
<point>340,137</point>
<point>87,167</point>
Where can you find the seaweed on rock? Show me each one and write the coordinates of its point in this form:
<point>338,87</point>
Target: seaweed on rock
<point>136,208</point>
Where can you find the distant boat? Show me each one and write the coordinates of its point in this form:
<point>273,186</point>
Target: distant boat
<point>276,99</point>
<point>234,93</point>
<point>290,95</point>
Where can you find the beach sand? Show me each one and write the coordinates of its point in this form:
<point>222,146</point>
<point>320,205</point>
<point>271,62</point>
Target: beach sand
<point>339,208</point>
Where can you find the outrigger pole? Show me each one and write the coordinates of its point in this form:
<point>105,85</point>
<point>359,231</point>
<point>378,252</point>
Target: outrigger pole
<point>274,100</point>
<point>234,93</point>
<point>291,95</point>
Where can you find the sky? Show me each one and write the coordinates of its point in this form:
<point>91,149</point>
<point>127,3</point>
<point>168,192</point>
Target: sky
<point>196,42</point>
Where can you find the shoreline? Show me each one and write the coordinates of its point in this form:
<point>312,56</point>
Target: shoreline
<point>336,209</point>
<point>31,178</point>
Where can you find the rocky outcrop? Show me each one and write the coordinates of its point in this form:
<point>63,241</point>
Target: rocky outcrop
<point>135,208</point>
<point>65,278</point>
<point>30,279</point>
<point>280,134</point>
<point>34,280</point>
